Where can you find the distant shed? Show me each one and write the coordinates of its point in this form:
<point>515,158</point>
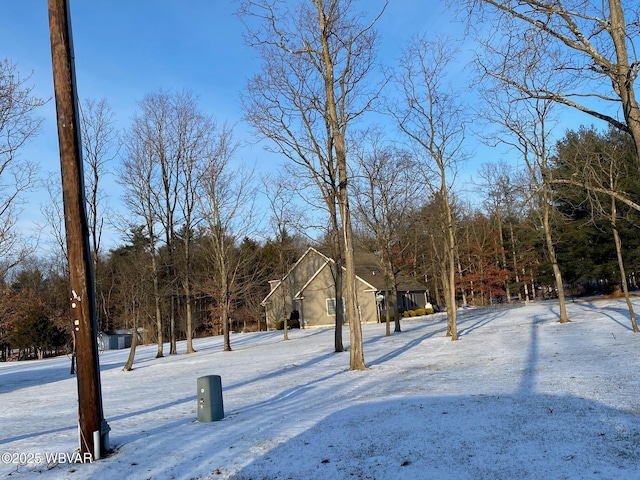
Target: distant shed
<point>115,340</point>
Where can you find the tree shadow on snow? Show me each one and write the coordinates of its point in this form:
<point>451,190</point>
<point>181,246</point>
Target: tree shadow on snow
<point>468,322</point>
<point>46,371</point>
<point>461,437</point>
<point>523,434</point>
<point>613,312</point>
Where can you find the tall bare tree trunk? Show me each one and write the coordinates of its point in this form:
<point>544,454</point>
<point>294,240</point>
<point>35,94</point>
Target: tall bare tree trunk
<point>515,265</point>
<point>503,252</point>
<point>390,296</point>
<point>156,302</point>
<point>134,343</point>
<point>315,55</point>
<point>189,314</point>
<point>451,270</point>
<point>431,115</point>
<point>285,327</point>
<point>157,297</point>
<point>387,311</point>
<point>396,315</point>
<point>623,275</point>
<point>339,288</point>
<point>338,275</point>
<point>626,72</point>
<point>225,309</point>
<point>356,351</point>
<point>463,289</point>
<point>552,255</point>
<point>173,345</point>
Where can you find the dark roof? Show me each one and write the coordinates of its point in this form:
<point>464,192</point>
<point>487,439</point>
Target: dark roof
<point>368,269</point>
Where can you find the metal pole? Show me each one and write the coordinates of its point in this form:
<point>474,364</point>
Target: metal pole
<point>82,293</point>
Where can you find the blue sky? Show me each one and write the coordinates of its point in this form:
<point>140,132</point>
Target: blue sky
<point>125,49</point>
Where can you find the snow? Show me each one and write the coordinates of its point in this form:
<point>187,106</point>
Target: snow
<point>518,396</point>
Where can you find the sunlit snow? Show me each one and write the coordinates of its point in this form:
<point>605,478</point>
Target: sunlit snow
<point>519,396</point>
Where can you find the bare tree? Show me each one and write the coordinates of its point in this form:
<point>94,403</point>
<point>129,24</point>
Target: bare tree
<point>500,184</point>
<point>160,111</point>
<point>596,162</point>
<point>54,214</point>
<point>326,182</point>
<point>286,217</point>
<point>131,267</point>
<point>137,177</point>
<point>225,204</point>
<point>431,116</point>
<point>100,146</point>
<point>384,190</point>
<point>195,134</point>
<point>175,136</point>
<point>18,125</point>
<point>496,178</point>
<point>316,56</point>
<point>592,46</point>
<point>525,124</point>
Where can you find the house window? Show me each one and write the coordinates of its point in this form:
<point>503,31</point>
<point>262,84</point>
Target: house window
<point>331,307</point>
<point>409,301</point>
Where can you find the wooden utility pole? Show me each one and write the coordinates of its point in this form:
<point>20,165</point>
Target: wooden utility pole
<point>92,427</point>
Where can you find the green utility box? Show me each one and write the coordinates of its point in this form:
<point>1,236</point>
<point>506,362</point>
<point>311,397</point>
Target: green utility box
<point>209,399</point>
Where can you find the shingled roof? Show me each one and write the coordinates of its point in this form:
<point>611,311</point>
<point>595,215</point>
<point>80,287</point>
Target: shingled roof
<point>368,269</point>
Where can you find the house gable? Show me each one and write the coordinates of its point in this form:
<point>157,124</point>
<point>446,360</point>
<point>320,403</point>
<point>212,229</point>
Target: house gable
<point>286,293</point>
<point>311,260</point>
<point>309,287</point>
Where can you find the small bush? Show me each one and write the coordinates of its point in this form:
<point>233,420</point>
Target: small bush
<point>418,312</point>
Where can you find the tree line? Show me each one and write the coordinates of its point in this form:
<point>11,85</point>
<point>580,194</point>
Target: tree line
<point>500,257</point>
<point>560,223</point>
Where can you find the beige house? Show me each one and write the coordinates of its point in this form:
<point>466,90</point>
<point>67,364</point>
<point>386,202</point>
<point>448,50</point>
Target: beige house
<point>308,287</point>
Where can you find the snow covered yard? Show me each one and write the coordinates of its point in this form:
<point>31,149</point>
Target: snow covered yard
<point>518,396</point>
